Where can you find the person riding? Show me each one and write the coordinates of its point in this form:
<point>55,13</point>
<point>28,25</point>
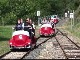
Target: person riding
<point>49,21</point>
<point>33,27</point>
<point>52,23</point>
<point>27,23</point>
<point>22,23</point>
<point>28,27</point>
<point>44,21</point>
<point>18,25</point>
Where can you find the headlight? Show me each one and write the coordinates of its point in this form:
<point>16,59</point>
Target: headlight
<point>28,43</point>
<point>10,43</point>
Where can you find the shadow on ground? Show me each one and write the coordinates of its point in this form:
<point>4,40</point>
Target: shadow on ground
<point>4,38</point>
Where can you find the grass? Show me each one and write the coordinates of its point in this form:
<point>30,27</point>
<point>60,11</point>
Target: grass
<point>5,35</point>
<point>75,30</point>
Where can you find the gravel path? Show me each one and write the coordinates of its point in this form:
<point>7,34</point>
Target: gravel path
<point>48,50</point>
<point>52,51</point>
<point>71,50</point>
<point>14,55</point>
<point>72,37</point>
<point>33,54</point>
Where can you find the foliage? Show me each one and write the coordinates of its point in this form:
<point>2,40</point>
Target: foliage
<point>11,10</point>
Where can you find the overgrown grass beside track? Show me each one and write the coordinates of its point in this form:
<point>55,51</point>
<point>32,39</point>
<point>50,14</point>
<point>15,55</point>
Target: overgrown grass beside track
<point>5,35</point>
<point>75,30</point>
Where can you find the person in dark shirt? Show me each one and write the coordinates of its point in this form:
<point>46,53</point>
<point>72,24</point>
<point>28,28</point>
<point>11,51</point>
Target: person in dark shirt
<point>28,27</point>
<point>18,25</point>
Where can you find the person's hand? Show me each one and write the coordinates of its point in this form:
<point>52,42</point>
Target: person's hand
<point>13,28</point>
<point>28,26</point>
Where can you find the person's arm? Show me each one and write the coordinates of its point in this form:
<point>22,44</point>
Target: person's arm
<point>23,26</point>
<point>42,22</point>
<point>15,28</point>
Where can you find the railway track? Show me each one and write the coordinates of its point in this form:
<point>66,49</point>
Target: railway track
<point>61,43</point>
<point>20,54</point>
<point>70,49</point>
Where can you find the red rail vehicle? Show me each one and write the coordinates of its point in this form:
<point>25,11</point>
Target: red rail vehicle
<point>21,39</point>
<point>46,30</point>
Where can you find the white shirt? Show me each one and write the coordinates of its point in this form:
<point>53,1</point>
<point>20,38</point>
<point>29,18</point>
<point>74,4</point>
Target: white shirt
<point>33,26</point>
<point>44,22</point>
<point>23,25</point>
